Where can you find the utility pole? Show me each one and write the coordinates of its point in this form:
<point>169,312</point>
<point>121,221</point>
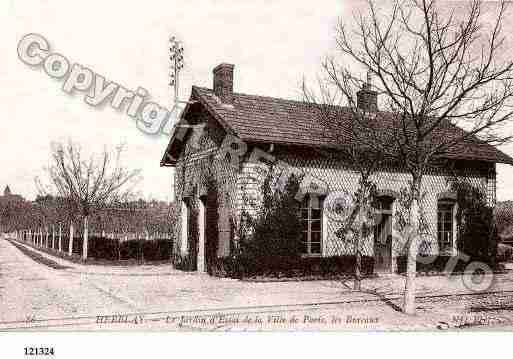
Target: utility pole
<point>176,58</point>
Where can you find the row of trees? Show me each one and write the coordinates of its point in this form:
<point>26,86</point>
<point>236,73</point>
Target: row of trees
<point>80,194</point>
<point>86,185</point>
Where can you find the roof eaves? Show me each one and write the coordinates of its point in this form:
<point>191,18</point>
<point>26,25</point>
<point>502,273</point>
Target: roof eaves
<point>195,96</point>
<point>165,157</point>
<point>212,111</point>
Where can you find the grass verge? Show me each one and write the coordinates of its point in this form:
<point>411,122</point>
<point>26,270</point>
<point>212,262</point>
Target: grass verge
<point>38,257</point>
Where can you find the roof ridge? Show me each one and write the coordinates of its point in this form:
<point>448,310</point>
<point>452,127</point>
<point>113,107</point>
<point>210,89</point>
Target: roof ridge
<point>275,98</point>
<point>270,113</point>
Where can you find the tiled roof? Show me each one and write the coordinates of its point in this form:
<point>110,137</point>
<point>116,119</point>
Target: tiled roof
<point>263,119</point>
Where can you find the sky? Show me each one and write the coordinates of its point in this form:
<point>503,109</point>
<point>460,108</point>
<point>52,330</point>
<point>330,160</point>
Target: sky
<point>272,44</point>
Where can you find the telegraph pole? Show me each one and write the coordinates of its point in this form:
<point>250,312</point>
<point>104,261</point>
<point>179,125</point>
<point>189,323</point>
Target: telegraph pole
<point>176,58</point>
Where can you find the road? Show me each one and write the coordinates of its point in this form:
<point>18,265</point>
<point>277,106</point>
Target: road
<point>34,296</point>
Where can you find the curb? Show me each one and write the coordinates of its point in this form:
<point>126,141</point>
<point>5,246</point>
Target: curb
<point>73,267</point>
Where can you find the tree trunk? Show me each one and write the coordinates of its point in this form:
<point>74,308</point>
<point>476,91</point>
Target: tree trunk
<point>60,237</point>
<point>358,265</point>
<point>53,236</point>
<point>357,253</point>
<point>70,245</point>
<point>85,238</point>
<point>409,306</point>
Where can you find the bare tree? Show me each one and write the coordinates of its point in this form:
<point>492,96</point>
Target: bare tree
<point>87,184</point>
<point>436,69</point>
<point>327,99</point>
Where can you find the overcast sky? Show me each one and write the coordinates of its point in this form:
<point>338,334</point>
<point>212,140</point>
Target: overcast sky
<point>272,44</point>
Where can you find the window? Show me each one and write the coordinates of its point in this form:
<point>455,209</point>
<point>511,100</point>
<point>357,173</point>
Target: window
<point>311,221</point>
<point>445,226</point>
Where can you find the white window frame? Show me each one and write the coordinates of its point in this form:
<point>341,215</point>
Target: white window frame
<point>451,247</point>
<point>313,200</point>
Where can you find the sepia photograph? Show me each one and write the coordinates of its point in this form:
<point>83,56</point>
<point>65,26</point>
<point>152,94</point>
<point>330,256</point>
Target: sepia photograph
<point>255,166</point>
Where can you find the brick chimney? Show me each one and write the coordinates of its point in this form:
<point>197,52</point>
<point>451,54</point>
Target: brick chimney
<point>223,82</point>
<point>366,98</point>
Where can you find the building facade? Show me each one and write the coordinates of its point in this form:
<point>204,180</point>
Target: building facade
<point>225,143</point>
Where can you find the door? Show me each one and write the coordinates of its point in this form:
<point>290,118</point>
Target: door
<point>383,244</point>
<point>211,229</point>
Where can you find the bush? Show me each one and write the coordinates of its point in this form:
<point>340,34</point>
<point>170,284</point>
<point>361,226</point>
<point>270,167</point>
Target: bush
<point>183,263</point>
<point>478,236</point>
<point>103,248</point>
<point>291,266</point>
<point>275,240</point>
<point>113,249</point>
<point>504,253</point>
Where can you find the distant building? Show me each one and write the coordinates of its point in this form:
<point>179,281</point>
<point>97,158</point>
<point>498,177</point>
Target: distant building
<point>9,197</point>
<point>8,203</point>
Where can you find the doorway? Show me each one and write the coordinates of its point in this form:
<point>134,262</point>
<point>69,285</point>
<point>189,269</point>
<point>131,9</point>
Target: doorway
<point>383,235</point>
<point>201,257</point>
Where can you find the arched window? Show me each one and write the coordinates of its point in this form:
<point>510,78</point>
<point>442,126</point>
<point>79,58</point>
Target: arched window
<point>311,221</point>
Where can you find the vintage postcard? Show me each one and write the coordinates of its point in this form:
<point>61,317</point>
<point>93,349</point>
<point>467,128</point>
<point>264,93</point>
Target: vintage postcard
<point>261,166</point>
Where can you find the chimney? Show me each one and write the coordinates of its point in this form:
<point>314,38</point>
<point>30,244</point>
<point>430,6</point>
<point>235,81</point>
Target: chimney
<point>366,98</point>
<point>223,82</point>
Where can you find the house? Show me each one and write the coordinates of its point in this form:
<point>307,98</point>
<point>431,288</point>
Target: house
<point>223,138</point>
